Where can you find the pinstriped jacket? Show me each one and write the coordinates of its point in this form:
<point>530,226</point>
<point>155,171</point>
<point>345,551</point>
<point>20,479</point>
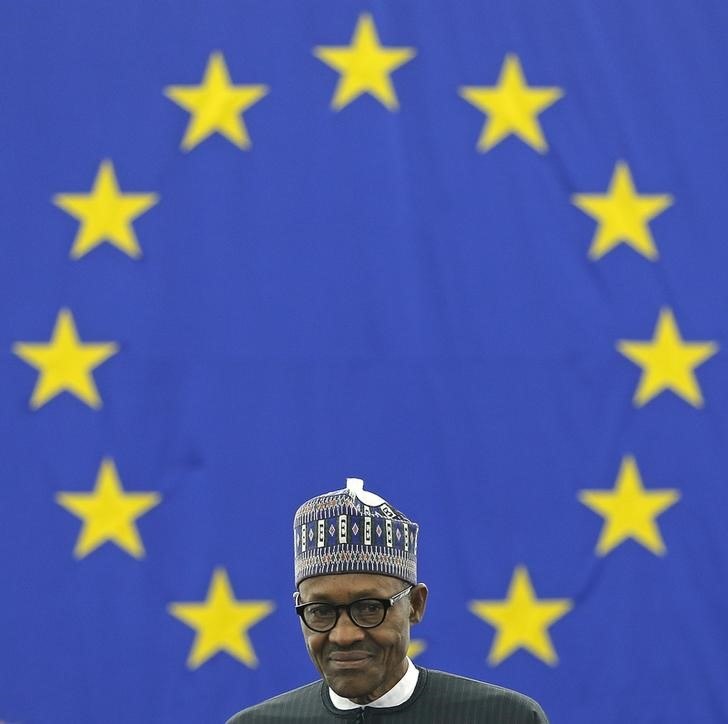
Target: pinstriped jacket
<point>438,698</point>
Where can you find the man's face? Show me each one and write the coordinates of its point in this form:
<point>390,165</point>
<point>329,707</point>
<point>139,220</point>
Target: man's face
<point>361,664</point>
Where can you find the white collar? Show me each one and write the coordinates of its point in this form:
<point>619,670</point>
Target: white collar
<point>397,695</point>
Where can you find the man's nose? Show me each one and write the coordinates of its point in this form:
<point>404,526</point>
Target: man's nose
<point>345,632</point>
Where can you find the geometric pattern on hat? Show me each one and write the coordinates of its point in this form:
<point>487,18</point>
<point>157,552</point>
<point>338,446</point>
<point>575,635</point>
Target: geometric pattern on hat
<point>353,531</point>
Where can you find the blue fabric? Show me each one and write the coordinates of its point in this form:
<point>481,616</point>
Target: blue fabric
<point>363,293</point>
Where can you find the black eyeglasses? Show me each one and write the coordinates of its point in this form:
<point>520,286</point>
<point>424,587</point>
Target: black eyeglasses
<point>364,612</point>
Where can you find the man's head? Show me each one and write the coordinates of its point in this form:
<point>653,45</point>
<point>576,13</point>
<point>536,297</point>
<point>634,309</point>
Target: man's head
<point>360,662</point>
<point>356,556</point>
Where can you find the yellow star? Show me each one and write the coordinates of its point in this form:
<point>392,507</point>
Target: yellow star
<point>512,107</point>
<point>221,622</point>
<point>629,511</point>
<point>108,513</point>
<point>667,362</point>
<point>65,363</point>
<point>216,105</point>
<point>364,65</point>
<point>522,620</point>
<point>415,648</point>
<point>105,214</point>
<point>623,215</point>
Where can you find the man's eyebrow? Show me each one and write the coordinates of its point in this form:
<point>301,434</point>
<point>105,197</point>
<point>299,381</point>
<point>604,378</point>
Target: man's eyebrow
<point>361,593</point>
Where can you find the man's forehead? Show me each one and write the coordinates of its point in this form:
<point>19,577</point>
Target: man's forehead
<point>349,585</point>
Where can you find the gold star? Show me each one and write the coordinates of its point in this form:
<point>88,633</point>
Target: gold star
<point>415,648</point>
<point>512,107</point>
<point>108,513</point>
<point>65,363</point>
<point>364,65</point>
<point>216,105</point>
<point>629,511</point>
<point>105,214</point>
<point>623,215</point>
<point>522,620</point>
<point>221,622</point>
<point>667,362</point>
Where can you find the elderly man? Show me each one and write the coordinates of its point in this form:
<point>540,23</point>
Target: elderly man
<point>357,595</point>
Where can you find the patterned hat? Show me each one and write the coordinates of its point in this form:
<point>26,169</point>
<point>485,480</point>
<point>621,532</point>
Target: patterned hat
<point>353,531</point>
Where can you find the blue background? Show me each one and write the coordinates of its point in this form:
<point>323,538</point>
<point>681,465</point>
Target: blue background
<point>362,293</point>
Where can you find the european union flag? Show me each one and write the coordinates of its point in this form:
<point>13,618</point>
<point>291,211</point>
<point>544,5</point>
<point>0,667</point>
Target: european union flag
<point>474,253</point>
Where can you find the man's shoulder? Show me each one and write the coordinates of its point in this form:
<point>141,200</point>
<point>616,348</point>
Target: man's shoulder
<point>281,708</point>
<point>471,693</point>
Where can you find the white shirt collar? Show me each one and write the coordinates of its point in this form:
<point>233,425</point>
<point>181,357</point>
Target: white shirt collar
<point>397,695</point>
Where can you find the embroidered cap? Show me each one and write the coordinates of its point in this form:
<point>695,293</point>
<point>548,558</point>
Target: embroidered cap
<point>353,531</point>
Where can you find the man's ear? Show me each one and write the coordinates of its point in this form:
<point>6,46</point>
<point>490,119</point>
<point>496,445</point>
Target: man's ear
<point>418,601</point>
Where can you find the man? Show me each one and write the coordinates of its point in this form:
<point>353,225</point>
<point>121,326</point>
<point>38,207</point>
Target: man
<point>357,595</point>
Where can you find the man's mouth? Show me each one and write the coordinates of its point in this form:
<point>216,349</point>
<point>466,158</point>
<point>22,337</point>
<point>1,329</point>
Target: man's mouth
<point>349,659</point>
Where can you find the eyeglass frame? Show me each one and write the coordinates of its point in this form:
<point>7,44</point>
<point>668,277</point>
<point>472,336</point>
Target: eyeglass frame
<point>387,603</point>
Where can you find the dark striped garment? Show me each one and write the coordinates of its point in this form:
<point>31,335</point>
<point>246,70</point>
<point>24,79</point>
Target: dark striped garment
<point>438,698</point>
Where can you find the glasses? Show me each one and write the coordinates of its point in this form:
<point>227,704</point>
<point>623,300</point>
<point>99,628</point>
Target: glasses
<point>364,612</point>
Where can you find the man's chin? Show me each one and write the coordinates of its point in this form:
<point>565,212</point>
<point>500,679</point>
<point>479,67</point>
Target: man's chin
<point>351,684</point>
